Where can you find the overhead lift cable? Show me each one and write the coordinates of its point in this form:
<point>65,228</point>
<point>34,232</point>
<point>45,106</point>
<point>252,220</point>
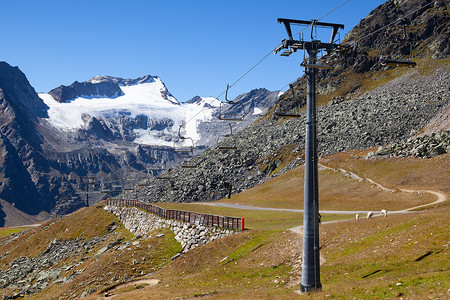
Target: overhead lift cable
<point>246,73</point>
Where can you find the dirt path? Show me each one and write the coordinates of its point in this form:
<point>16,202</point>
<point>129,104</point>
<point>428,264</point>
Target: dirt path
<point>441,197</point>
<point>146,282</point>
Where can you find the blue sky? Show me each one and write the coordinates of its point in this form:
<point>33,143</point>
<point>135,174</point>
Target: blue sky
<point>195,46</point>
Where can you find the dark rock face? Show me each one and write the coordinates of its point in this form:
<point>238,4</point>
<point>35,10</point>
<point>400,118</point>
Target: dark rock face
<point>121,81</point>
<point>194,100</point>
<point>20,143</point>
<point>165,94</point>
<point>21,95</point>
<point>100,87</point>
<point>426,26</point>
<point>85,89</point>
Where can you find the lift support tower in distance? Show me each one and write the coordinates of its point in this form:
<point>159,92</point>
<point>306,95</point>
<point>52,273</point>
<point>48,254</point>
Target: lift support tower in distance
<point>311,262</point>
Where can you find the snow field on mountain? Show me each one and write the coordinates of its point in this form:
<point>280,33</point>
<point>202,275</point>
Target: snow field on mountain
<point>142,99</point>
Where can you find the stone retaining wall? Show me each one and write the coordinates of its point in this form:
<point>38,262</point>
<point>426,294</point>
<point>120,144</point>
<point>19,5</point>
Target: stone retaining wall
<point>188,235</point>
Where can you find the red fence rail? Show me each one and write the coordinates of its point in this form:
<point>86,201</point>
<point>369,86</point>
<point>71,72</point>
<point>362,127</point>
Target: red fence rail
<point>185,216</point>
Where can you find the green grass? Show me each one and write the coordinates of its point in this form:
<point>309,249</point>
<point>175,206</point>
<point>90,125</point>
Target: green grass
<point>254,243</point>
<point>5,231</point>
<point>254,219</point>
<point>409,250</point>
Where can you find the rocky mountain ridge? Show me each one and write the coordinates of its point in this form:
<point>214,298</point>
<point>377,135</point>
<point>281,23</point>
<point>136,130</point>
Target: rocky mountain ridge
<point>104,87</point>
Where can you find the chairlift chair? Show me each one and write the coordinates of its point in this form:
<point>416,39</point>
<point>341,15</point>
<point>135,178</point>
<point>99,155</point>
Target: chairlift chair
<point>392,62</point>
<point>222,144</point>
<point>316,65</point>
<point>231,116</point>
<point>106,189</point>
<point>189,150</point>
<point>163,177</point>
<point>286,113</point>
<point>280,113</point>
<point>227,147</point>
<point>188,164</point>
<point>143,184</point>
<point>116,188</point>
<point>143,181</point>
<point>313,62</point>
<point>183,149</point>
<point>153,168</point>
<point>130,177</point>
<point>286,53</point>
<point>128,188</point>
<point>402,62</point>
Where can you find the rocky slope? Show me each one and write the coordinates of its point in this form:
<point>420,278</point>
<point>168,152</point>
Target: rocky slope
<point>390,113</point>
<point>368,105</point>
<point>426,146</point>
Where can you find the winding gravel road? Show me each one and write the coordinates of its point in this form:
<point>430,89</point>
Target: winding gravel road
<point>441,197</point>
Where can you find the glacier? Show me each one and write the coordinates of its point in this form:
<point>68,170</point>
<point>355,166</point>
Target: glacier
<point>143,98</point>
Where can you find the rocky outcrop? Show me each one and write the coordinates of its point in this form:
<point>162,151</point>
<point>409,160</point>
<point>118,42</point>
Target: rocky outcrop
<point>102,89</point>
<point>29,275</point>
<point>122,81</point>
<point>424,147</point>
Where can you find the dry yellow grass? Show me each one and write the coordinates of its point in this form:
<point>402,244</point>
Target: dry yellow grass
<point>340,192</point>
<point>409,173</point>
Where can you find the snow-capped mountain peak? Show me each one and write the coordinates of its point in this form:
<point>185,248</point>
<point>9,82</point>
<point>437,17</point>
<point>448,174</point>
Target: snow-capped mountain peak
<point>142,111</point>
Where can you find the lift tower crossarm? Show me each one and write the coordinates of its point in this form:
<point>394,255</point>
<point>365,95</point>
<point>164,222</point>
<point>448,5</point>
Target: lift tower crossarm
<point>287,24</point>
